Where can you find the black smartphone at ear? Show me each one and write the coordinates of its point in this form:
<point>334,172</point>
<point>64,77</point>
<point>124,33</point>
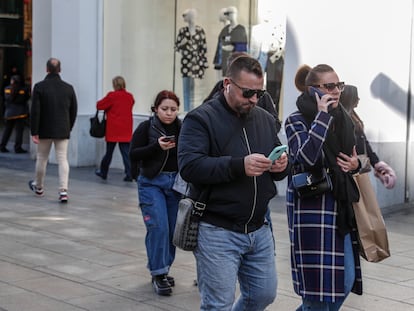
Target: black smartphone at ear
<point>313,91</point>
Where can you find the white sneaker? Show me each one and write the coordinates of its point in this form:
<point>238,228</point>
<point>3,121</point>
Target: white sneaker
<point>63,196</point>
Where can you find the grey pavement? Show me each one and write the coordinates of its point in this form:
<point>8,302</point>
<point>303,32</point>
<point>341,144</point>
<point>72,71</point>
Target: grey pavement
<point>89,254</point>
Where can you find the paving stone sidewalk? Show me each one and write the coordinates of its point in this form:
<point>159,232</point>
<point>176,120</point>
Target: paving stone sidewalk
<point>89,254</point>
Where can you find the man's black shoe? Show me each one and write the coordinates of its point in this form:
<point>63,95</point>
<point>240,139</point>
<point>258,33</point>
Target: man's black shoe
<point>161,285</point>
<point>100,174</point>
<point>20,150</point>
<point>4,149</point>
<point>127,178</point>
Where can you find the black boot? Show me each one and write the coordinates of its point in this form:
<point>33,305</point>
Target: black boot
<point>161,285</point>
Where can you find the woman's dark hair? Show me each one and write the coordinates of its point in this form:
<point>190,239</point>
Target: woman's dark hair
<point>349,97</point>
<point>165,94</point>
<point>306,76</point>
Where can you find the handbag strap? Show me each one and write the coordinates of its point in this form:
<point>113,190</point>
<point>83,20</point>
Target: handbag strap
<point>200,205</point>
<point>97,113</point>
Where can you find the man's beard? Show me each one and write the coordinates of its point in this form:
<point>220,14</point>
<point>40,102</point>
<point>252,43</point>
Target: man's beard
<point>244,109</point>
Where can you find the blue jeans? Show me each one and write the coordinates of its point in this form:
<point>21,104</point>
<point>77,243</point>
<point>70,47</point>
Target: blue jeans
<point>159,207</point>
<point>188,90</point>
<point>349,282</point>
<point>106,160</point>
<point>224,256</point>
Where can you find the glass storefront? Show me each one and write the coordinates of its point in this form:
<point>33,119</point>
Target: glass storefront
<point>183,45</point>
<point>15,46</point>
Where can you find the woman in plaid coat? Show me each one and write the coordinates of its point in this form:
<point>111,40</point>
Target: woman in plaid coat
<point>324,249</point>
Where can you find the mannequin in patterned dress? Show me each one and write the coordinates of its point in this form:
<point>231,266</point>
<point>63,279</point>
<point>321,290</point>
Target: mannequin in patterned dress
<point>191,43</point>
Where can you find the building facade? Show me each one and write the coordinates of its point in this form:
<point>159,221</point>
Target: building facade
<point>99,39</point>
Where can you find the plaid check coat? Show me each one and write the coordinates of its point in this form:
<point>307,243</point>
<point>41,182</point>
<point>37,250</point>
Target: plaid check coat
<point>317,250</point>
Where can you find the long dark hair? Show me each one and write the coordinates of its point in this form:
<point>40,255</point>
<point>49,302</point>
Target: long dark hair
<point>348,99</point>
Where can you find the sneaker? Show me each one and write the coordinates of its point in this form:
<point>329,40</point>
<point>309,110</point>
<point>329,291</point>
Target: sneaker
<point>171,280</point>
<point>161,285</point>
<point>63,196</point>
<point>38,191</point>
<point>4,149</point>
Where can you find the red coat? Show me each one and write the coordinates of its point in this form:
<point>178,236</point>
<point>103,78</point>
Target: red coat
<point>118,107</point>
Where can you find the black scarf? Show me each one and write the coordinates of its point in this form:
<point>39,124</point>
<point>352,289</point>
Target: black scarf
<point>340,138</point>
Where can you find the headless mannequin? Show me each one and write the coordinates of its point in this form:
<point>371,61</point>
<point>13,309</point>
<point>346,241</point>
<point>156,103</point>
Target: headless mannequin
<point>218,57</point>
<point>268,43</point>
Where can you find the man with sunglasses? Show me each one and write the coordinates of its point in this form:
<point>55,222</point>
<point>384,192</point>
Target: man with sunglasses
<point>224,144</point>
<point>265,101</point>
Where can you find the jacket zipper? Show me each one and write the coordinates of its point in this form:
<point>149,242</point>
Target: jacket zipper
<point>168,151</point>
<point>255,185</point>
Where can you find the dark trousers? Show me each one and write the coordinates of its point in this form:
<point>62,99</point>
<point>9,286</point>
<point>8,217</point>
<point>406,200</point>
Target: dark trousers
<point>8,128</point>
<point>106,160</point>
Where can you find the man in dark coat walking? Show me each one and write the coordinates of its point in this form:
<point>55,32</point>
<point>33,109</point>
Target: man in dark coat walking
<point>53,114</point>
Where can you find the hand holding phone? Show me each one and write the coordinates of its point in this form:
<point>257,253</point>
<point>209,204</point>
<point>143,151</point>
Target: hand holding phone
<point>313,91</point>
<point>170,138</point>
<point>277,152</point>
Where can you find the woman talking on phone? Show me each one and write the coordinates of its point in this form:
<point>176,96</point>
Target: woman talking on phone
<point>324,250</point>
<point>153,155</point>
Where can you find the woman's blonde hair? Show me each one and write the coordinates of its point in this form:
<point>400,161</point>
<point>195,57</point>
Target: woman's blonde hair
<point>118,83</point>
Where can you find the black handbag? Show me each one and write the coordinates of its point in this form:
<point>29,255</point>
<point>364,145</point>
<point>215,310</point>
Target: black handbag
<point>312,184</point>
<point>188,219</point>
<point>98,126</point>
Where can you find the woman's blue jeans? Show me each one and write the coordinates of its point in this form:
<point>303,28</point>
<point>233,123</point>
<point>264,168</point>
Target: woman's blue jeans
<point>159,206</point>
<point>312,305</point>
<point>224,256</point>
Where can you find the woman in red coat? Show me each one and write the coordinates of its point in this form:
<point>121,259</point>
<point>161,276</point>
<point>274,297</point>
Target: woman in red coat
<point>118,107</point>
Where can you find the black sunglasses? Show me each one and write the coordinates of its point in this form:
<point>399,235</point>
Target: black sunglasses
<point>248,93</point>
<point>331,86</point>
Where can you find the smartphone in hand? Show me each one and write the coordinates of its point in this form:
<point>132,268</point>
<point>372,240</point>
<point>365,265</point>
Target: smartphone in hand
<point>277,152</point>
<point>313,91</point>
<point>170,138</point>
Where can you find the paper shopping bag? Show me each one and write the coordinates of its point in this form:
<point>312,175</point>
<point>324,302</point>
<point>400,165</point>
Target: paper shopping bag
<point>371,226</point>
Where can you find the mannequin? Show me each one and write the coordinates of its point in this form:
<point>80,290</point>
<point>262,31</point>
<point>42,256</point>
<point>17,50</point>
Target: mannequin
<point>232,38</point>
<point>218,56</point>
<point>268,45</point>
<point>191,42</point>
